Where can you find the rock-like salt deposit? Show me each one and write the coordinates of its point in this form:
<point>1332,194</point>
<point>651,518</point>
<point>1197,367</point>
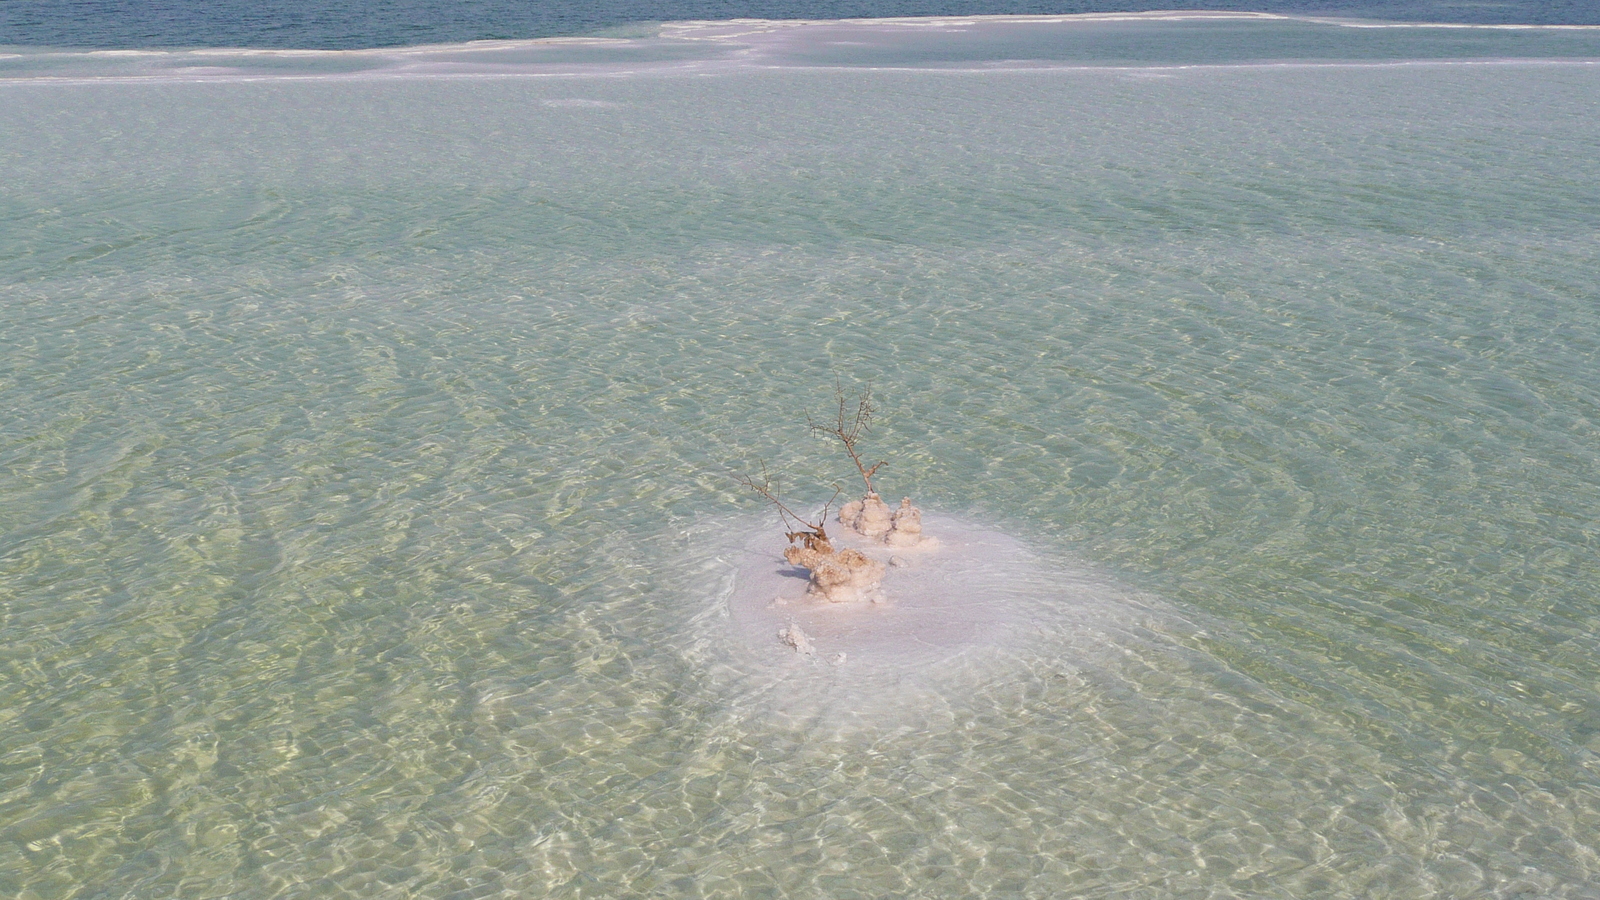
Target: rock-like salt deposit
<point>870,518</point>
<point>935,598</point>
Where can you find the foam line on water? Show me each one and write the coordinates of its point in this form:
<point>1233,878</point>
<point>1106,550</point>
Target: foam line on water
<point>734,29</point>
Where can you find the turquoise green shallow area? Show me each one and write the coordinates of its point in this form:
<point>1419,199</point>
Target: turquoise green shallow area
<point>367,519</point>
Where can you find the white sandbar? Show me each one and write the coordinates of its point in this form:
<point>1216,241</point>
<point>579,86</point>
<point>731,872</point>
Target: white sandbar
<point>959,592</point>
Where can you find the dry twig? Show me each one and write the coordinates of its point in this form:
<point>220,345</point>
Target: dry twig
<point>849,429</point>
<point>814,535</point>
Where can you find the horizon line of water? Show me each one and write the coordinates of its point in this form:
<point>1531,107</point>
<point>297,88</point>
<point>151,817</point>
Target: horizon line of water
<point>989,43</point>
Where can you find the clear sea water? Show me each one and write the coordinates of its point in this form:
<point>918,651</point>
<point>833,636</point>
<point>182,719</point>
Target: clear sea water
<point>367,524</point>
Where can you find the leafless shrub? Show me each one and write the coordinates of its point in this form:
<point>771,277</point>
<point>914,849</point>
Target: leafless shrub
<point>848,428</point>
<point>811,534</point>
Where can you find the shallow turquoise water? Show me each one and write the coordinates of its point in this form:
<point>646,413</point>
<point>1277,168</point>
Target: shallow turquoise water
<point>367,518</point>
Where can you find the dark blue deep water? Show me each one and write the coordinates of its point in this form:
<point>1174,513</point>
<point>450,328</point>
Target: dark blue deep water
<point>333,24</point>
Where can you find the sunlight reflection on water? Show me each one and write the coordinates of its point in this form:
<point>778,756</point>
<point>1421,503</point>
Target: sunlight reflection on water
<point>369,526</point>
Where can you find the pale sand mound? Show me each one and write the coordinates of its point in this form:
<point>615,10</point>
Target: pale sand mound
<point>936,599</point>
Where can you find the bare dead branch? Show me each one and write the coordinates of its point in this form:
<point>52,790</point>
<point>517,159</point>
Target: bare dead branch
<point>848,428</point>
<point>809,532</point>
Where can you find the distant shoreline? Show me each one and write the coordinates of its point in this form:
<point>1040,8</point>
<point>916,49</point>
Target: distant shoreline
<point>405,24</point>
<point>948,44</point>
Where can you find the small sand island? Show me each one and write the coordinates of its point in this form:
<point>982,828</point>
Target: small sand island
<point>845,574</point>
<point>875,575</point>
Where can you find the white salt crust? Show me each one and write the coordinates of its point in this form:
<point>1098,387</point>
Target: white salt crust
<point>961,589</point>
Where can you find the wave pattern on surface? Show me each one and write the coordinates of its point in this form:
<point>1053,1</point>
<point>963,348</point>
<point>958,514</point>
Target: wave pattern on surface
<point>366,517</point>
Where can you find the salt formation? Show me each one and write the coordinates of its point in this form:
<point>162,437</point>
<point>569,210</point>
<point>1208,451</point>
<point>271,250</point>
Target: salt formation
<point>792,635</point>
<point>902,607</point>
<point>848,575</point>
<point>838,576</point>
<point>905,526</point>
<point>870,518</point>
